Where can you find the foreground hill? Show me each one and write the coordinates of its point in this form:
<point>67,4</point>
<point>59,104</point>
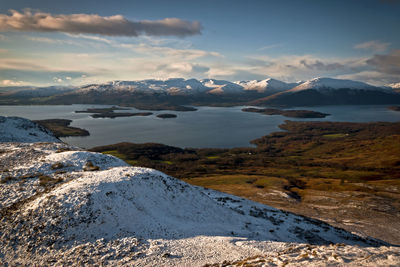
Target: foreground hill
<point>62,205</point>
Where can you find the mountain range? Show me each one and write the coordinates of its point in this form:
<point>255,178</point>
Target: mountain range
<point>179,91</point>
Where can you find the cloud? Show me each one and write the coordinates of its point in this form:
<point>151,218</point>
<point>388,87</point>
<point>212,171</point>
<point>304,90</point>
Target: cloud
<point>57,80</point>
<point>371,77</point>
<point>182,54</point>
<point>376,46</point>
<point>21,64</point>
<point>319,65</point>
<point>299,67</point>
<point>267,47</point>
<point>53,41</point>
<point>115,25</point>
<point>90,37</point>
<point>181,69</point>
<point>389,63</point>
<point>12,83</point>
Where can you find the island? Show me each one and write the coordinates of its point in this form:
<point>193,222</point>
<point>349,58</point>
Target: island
<point>101,110</point>
<point>109,112</point>
<point>287,113</point>
<point>61,128</point>
<point>166,116</point>
<point>158,107</point>
<point>394,108</point>
<point>122,114</point>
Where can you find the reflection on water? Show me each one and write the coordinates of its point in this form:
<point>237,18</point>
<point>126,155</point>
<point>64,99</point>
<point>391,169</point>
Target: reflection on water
<point>206,127</point>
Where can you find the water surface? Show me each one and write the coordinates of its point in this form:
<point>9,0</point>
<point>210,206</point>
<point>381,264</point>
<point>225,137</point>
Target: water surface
<point>222,127</point>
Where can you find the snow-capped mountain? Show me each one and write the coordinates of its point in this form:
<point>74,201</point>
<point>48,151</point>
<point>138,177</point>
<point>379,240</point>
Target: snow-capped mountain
<point>330,83</point>
<point>170,86</point>
<point>115,214</point>
<point>218,87</point>
<point>174,85</point>
<point>221,86</point>
<point>174,92</point>
<point>38,91</point>
<point>270,85</point>
<point>328,91</point>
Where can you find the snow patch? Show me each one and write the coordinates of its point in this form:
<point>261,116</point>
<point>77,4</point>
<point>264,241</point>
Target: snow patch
<point>15,129</point>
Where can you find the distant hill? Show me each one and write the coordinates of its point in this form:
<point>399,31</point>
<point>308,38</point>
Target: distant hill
<point>327,91</point>
<point>172,93</point>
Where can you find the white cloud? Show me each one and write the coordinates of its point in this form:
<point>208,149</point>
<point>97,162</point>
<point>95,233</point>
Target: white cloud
<point>53,41</point>
<point>90,37</point>
<point>375,46</point>
<point>58,80</point>
<point>267,47</point>
<point>22,64</point>
<point>372,77</point>
<point>182,54</point>
<point>115,25</point>
<point>12,83</point>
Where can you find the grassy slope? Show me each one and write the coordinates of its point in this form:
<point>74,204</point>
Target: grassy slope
<point>61,128</point>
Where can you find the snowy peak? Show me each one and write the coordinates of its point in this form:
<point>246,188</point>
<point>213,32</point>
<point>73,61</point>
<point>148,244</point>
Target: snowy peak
<point>180,86</point>
<point>221,86</point>
<point>173,86</point>
<point>330,83</point>
<point>15,129</point>
<point>270,85</point>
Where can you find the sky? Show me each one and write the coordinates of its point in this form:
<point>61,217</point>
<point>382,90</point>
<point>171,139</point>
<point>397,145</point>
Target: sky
<point>73,42</point>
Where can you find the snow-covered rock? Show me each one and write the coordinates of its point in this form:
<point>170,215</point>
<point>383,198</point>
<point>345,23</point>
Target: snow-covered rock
<point>15,129</point>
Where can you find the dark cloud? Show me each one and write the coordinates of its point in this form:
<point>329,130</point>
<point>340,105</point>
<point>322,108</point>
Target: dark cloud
<point>319,65</point>
<point>94,24</point>
<point>389,63</point>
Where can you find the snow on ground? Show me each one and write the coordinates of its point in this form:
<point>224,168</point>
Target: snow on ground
<point>15,129</point>
<point>56,210</point>
<point>331,255</point>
